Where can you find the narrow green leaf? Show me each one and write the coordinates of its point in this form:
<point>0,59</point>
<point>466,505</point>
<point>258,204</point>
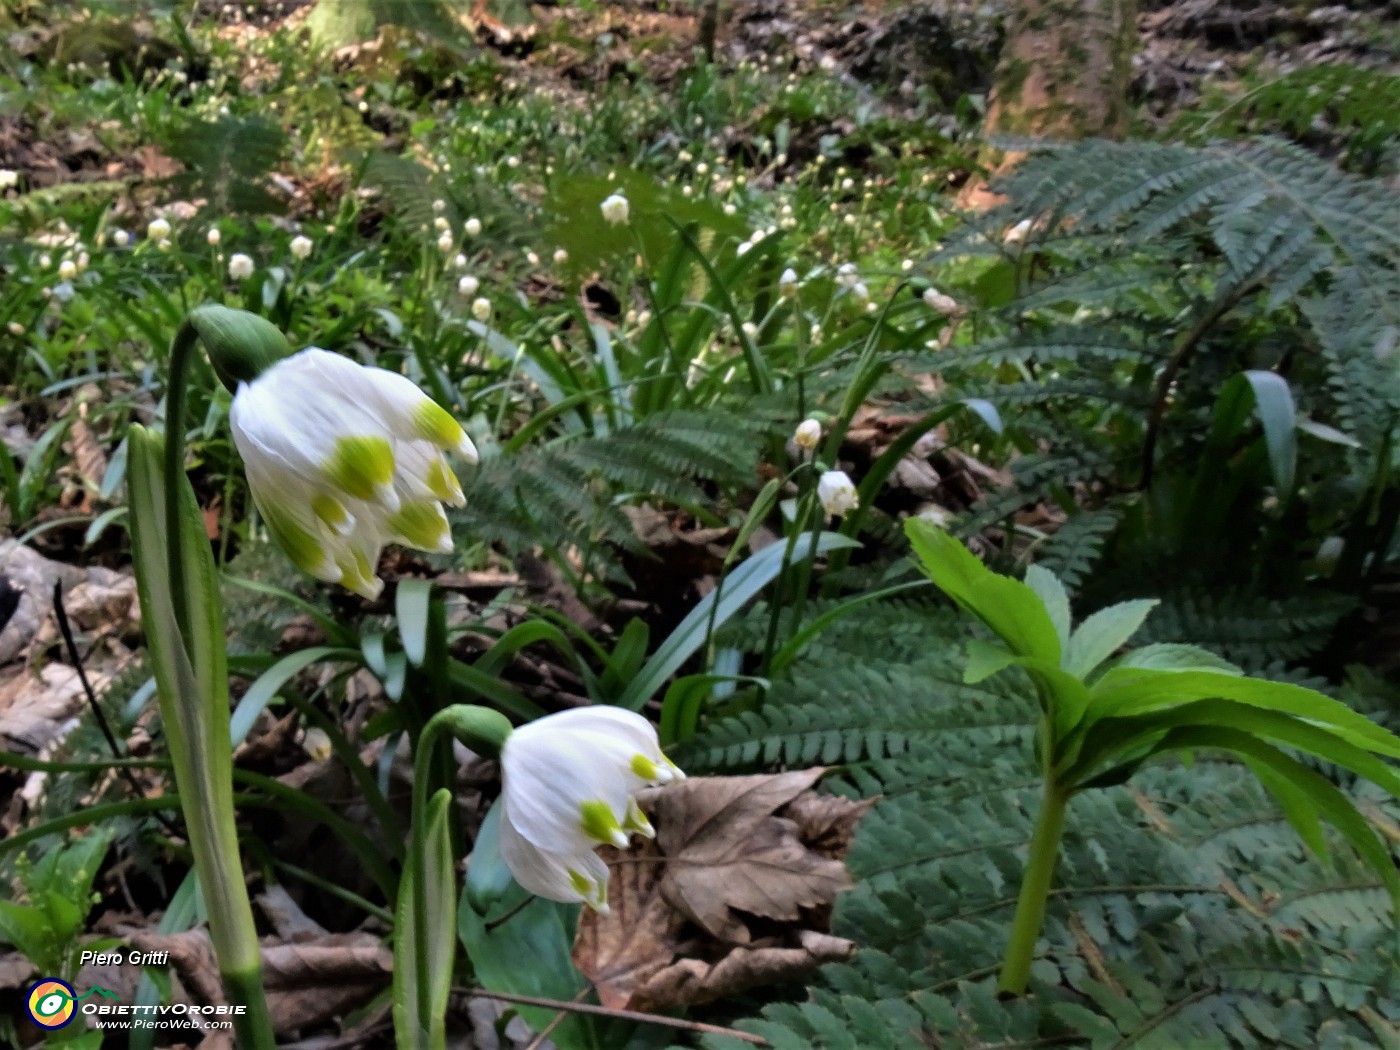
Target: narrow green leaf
<point>411,603</point>
<point>733,593</point>
<point>440,871</point>
<point>1175,656</point>
<point>1273,400</point>
<point>265,687</point>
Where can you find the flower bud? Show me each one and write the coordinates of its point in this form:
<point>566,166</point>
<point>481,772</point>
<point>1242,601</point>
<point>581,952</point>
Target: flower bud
<point>808,433</point>
<point>241,346</point>
<point>943,304</point>
<point>240,266</point>
<point>300,247</point>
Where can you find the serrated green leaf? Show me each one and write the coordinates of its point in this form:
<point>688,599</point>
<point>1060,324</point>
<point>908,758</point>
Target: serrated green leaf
<point>1098,637</point>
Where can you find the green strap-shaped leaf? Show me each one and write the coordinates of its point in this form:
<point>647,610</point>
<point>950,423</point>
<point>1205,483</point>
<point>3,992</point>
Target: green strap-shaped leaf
<point>413,1031</point>
<point>734,591</point>
<point>411,603</point>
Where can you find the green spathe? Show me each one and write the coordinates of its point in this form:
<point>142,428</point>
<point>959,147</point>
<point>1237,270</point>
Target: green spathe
<point>241,345</point>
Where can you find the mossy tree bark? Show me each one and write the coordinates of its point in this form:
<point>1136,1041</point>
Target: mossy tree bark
<point>1064,73</point>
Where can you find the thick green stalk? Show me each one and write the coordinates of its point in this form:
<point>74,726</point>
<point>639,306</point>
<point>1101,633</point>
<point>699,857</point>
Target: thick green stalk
<point>484,731</point>
<point>1035,889</point>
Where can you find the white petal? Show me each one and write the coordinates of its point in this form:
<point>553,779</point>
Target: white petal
<point>548,874</point>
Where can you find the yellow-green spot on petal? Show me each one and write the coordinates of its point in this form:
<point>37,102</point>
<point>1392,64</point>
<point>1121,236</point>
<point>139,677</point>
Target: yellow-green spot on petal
<point>594,894</point>
<point>645,768</point>
<point>331,511</point>
<point>637,821</point>
<point>303,548</point>
<point>422,525</point>
<point>361,466</point>
<point>357,574</point>
<point>599,823</point>
<point>442,483</point>
<point>434,423</point>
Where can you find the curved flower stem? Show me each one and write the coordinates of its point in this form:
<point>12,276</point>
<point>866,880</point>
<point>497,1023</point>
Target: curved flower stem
<point>194,694</point>
<point>484,731</point>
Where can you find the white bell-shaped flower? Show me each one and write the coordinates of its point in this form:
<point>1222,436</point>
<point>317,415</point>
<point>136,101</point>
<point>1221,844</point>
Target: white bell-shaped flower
<point>342,459</point>
<point>837,493</point>
<point>569,784</point>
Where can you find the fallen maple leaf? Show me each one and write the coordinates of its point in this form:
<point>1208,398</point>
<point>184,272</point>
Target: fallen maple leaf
<point>728,850</point>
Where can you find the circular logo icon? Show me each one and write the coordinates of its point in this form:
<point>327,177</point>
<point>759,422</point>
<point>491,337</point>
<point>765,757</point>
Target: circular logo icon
<point>51,1003</point>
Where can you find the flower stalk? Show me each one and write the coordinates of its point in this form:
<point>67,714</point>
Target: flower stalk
<point>178,589</point>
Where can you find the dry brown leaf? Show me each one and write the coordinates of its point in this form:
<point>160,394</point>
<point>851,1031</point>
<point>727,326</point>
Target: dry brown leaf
<point>691,981</point>
<point>728,852</point>
<point>88,457</point>
<point>308,983</point>
<point>637,940</point>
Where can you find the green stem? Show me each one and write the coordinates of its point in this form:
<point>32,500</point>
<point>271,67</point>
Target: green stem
<point>252,1027</point>
<point>1035,888</point>
<point>484,731</point>
<point>202,766</point>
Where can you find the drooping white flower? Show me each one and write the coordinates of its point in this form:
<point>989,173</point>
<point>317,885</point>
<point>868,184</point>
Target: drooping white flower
<point>808,434</point>
<point>468,285</point>
<point>158,230</point>
<point>616,209</point>
<point>569,784</point>
<point>473,227</point>
<point>943,304</point>
<point>560,255</point>
<point>240,266</point>
<point>445,242</point>
<point>121,238</point>
<point>214,236</point>
<point>300,247</point>
<point>1017,234</point>
<point>481,309</point>
<point>837,494</point>
<point>8,178</point>
<point>787,283</point>
<point>67,270</point>
<point>342,459</point>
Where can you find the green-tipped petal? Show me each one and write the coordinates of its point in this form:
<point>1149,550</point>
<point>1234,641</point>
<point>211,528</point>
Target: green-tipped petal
<point>363,467</point>
<point>422,525</point>
<point>599,823</point>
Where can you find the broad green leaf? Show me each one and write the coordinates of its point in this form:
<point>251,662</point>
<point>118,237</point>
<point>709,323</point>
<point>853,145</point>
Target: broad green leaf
<point>1101,635</point>
<point>985,659</point>
<point>1007,606</point>
<point>411,1026</point>
<point>1296,804</point>
<point>1111,738</point>
<point>1150,690</point>
<point>1175,656</point>
<point>1329,802</point>
<point>732,594</point>
<point>1051,592</point>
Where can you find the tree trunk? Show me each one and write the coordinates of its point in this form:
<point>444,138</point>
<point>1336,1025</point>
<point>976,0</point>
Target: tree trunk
<point>1063,73</point>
